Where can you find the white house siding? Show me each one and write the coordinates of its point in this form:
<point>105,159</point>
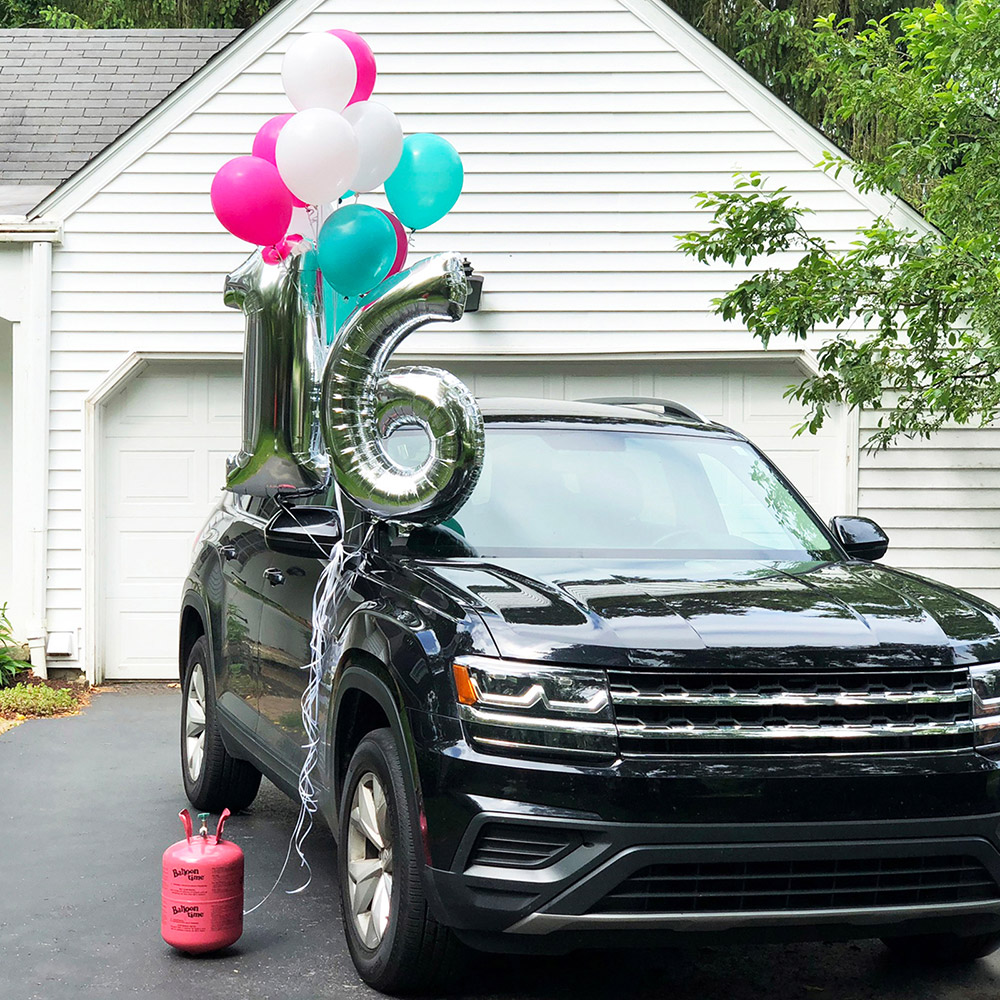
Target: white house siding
<point>584,136</point>
<point>939,501</point>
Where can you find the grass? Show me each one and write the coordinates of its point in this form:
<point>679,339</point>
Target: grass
<point>35,700</point>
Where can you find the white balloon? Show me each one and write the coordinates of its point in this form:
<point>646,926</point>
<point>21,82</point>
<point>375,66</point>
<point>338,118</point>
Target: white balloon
<point>380,141</point>
<point>317,155</point>
<point>319,71</point>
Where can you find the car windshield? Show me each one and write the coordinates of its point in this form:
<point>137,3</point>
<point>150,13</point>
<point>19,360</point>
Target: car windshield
<point>600,492</point>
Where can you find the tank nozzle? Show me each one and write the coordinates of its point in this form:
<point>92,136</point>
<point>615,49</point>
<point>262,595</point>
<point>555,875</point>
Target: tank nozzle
<point>203,819</point>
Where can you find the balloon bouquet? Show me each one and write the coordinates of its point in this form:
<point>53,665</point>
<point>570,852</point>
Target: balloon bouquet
<point>312,412</point>
<point>337,143</point>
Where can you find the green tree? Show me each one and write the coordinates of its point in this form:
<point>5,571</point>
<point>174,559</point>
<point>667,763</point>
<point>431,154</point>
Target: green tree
<point>774,41</point>
<point>132,13</point>
<point>915,315</point>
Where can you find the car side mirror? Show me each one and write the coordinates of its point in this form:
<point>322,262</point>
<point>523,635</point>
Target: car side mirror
<point>861,537</point>
<point>311,532</point>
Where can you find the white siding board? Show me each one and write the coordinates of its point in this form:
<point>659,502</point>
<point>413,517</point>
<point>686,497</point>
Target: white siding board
<point>939,501</point>
<point>684,80</point>
<point>114,208</point>
<point>584,136</point>
<point>462,222</point>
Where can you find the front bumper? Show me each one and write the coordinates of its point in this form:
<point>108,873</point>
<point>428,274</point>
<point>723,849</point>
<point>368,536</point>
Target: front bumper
<point>824,844</point>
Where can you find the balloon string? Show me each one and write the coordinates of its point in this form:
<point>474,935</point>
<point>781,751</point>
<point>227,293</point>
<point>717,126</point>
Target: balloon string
<point>325,596</point>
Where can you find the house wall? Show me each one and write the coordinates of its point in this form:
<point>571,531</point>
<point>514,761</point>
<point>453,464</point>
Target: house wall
<point>584,135</point>
<point>939,501</point>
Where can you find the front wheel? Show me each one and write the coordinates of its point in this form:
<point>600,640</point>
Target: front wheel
<point>396,945</point>
<point>942,949</point>
<point>213,780</point>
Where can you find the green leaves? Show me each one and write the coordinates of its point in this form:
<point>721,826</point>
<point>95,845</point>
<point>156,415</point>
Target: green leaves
<point>132,13</point>
<point>35,700</point>
<point>9,666</point>
<point>909,320</point>
<point>898,319</point>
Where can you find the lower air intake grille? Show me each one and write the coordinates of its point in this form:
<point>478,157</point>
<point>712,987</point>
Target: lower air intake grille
<point>735,887</point>
<point>506,845</point>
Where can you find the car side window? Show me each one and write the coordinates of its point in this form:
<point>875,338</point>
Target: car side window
<point>266,508</point>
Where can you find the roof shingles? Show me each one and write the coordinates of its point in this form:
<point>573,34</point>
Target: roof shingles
<point>65,95</point>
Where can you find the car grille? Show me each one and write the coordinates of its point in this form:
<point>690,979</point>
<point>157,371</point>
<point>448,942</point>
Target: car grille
<point>852,711</point>
<point>733,887</point>
<point>508,845</point>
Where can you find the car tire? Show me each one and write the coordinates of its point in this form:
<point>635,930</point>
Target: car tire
<point>396,945</point>
<point>942,949</point>
<point>213,780</point>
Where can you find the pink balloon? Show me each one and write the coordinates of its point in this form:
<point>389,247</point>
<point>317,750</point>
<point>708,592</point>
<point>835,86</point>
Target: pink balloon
<point>265,141</point>
<point>365,60</point>
<point>251,200</point>
<point>402,243</point>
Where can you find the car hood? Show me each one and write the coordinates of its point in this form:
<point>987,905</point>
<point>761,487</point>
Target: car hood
<point>697,614</point>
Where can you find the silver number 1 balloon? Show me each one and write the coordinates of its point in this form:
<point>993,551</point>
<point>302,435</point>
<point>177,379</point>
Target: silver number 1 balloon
<point>282,448</point>
<point>363,402</point>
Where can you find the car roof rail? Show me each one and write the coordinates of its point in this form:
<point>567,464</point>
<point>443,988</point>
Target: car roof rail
<point>670,406</point>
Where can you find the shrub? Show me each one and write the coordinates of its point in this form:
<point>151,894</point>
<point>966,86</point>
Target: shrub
<point>9,666</point>
<point>35,699</point>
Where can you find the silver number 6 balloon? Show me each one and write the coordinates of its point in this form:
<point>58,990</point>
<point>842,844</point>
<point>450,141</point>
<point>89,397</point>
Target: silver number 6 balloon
<point>363,403</point>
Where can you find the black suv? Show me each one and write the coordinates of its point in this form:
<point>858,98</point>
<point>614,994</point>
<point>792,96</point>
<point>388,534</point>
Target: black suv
<point>635,688</point>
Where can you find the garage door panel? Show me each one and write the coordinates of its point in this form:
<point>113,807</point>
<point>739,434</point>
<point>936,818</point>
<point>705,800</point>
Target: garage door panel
<point>148,556</point>
<point>144,476</point>
<point>215,471</point>
<point>597,386</point>
<point>223,403</point>
<point>143,643</point>
<point>765,397</point>
<point>150,399</point>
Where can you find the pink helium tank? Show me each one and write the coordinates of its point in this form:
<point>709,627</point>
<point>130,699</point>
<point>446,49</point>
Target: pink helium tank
<point>202,890</point>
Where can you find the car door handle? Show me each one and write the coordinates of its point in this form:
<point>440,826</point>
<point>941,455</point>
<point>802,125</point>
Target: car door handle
<point>274,576</point>
<point>227,551</point>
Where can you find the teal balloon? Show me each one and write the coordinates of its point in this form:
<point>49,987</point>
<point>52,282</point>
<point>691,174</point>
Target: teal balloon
<point>427,182</point>
<point>357,248</point>
<point>338,310</point>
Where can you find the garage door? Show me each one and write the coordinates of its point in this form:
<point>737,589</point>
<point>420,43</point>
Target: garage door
<point>167,435</point>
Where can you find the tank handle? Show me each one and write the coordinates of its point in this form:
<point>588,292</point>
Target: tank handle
<point>186,820</point>
<point>222,822</point>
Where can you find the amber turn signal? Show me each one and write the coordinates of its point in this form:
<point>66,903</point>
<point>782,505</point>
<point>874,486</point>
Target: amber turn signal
<point>463,685</point>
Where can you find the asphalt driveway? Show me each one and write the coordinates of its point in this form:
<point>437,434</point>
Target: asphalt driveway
<point>90,802</point>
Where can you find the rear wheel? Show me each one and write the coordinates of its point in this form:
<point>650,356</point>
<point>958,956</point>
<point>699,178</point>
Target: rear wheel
<point>395,943</point>
<point>942,949</point>
<point>213,780</point>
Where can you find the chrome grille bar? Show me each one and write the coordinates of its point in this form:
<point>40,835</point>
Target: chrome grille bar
<point>642,731</point>
<point>632,697</point>
<point>856,710</point>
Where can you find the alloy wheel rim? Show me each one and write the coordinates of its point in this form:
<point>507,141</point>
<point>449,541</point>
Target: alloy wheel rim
<point>369,861</point>
<point>194,723</point>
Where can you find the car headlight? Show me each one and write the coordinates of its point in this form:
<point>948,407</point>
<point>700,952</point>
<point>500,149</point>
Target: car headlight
<point>535,709</point>
<point>986,705</point>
